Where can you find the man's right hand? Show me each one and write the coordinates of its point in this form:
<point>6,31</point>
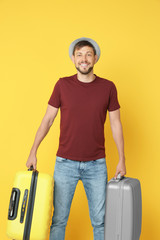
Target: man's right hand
<point>32,161</point>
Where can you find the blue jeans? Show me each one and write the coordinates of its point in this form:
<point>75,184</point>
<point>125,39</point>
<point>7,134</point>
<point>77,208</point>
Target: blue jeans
<point>67,173</point>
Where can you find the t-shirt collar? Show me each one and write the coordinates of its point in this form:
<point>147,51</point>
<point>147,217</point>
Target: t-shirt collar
<point>84,83</point>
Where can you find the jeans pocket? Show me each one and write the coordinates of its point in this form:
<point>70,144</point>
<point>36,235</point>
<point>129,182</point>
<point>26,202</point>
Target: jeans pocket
<point>60,159</point>
<point>100,164</point>
<point>100,160</point>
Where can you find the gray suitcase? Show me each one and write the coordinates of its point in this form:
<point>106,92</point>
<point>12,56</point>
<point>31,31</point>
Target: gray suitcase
<point>123,209</point>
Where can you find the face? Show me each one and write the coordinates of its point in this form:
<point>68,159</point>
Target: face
<point>84,59</point>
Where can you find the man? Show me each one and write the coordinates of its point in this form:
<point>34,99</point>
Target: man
<point>83,99</point>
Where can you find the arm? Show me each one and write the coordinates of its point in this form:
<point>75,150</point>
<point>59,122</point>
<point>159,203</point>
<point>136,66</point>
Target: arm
<point>46,123</point>
<point>117,132</point>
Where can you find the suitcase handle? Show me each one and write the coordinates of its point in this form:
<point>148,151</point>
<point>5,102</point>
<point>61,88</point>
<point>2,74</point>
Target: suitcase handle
<point>31,168</point>
<point>119,178</point>
<point>13,205</point>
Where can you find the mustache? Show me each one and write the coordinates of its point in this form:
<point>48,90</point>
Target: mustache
<point>84,62</point>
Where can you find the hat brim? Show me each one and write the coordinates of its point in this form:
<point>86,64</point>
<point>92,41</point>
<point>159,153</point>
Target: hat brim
<point>97,48</point>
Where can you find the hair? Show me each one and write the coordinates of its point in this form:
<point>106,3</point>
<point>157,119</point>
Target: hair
<point>81,44</point>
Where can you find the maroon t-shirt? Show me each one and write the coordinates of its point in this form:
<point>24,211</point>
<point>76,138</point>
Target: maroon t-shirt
<point>83,113</point>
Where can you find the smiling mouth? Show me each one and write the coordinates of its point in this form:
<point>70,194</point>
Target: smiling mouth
<point>84,65</point>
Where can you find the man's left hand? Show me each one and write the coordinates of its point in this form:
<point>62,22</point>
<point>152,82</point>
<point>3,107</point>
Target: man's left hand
<point>121,168</point>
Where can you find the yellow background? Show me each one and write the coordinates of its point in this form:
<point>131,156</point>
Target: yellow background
<point>34,41</point>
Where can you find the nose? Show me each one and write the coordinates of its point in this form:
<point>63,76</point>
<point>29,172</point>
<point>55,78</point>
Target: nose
<point>84,58</point>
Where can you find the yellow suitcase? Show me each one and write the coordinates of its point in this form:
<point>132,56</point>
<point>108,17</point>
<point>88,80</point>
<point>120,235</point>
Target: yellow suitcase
<point>30,208</point>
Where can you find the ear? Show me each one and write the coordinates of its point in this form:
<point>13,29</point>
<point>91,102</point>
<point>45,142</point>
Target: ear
<point>96,58</point>
<point>73,59</point>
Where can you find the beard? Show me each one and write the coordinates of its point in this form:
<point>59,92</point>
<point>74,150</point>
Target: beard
<point>85,72</point>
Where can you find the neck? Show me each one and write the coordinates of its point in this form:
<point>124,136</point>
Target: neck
<point>85,77</point>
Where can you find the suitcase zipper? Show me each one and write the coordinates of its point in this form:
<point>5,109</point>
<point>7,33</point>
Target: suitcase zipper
<point>32,194</point>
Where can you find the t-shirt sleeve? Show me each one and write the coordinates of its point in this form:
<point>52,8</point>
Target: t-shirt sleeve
<point>55,99</point>
<point>113,99</point>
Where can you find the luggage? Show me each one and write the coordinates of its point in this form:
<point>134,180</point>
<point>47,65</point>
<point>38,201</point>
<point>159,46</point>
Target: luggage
<point>123,209</point>
<point>30,206</point>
